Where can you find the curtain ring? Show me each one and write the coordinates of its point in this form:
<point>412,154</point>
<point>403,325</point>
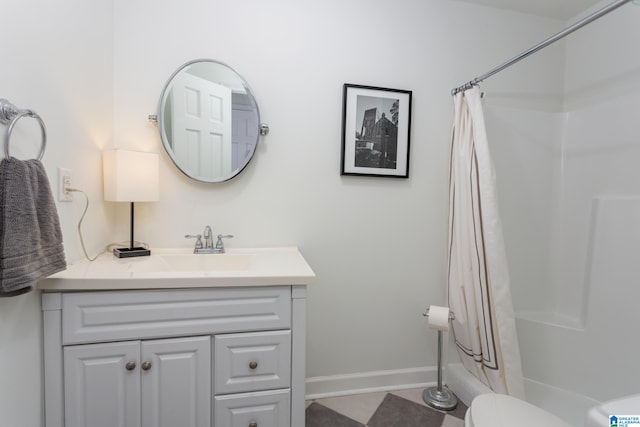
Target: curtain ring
<point>23,113</point>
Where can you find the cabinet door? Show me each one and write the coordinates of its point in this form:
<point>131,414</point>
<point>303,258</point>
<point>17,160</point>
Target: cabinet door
<point>176,382</point>
<point>102,385</point>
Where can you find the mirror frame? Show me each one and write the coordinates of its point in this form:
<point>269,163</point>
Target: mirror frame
<point>262,130</point>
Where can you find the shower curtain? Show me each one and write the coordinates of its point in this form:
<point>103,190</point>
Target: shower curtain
<point>478,277</point>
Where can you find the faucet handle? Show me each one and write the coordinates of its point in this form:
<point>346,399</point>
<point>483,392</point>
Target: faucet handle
<point>220,243</point>
<point>198,238</point>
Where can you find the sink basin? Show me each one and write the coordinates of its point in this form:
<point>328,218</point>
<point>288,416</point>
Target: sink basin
<point>206,262</point>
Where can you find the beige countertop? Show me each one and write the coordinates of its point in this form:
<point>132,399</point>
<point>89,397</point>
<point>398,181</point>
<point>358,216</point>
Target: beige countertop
<point>180,268</point>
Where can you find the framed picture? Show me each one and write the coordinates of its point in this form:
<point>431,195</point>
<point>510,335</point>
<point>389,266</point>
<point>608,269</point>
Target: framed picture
<point>376,125</point>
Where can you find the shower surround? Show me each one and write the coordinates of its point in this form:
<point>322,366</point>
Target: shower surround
<point>569,189</point>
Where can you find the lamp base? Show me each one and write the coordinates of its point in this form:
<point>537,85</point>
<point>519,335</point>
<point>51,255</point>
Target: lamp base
<point>131,252</point>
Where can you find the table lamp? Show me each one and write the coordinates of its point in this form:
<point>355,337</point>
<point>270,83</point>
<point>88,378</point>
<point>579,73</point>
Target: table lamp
<point>131,176</point>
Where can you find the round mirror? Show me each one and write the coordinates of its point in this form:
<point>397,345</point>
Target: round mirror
<point>209,121</point>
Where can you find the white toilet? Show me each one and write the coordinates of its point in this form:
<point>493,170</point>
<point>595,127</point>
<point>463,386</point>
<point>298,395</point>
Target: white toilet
<point>599,415</point>
<point>499,410</point>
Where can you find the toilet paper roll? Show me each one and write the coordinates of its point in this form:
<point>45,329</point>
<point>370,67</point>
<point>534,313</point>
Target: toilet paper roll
<point>439,318</point>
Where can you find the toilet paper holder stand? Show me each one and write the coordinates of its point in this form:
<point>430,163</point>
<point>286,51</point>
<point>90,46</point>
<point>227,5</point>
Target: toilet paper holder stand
<point>439,397</point>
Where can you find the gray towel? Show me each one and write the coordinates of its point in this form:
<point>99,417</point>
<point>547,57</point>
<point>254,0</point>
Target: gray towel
<point>30,235</point>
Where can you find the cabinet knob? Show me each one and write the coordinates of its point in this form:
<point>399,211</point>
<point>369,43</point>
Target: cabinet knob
<point>253,424</point>
<point>130,366</point>
<point>253,365</point>
<point>146,366</point>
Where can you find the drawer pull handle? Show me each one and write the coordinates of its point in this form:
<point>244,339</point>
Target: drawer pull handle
<point>130,366</point>
<point>146,366</point>
<point>253,424</point>
<point>253,365</point>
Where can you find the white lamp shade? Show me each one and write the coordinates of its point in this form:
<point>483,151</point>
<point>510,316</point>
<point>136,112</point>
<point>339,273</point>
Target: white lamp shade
<point>131,176</point>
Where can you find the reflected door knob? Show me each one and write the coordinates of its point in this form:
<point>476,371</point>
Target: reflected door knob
<point>146,366</point>
<point>130,366</point>
<point>253,424</point>
<point>253,365</point>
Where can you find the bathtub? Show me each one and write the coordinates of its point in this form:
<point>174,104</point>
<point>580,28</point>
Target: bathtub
<point>463,384</point>
<point>570,407</point>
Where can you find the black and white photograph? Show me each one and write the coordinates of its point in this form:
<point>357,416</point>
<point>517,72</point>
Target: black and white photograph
<point>375,131</point>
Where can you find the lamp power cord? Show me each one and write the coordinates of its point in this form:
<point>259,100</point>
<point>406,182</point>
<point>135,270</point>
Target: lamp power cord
<point>84,212</point>
<point>109,247</point>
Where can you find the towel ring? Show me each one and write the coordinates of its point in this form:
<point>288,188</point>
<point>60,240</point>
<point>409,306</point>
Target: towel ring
<point>14,120</point>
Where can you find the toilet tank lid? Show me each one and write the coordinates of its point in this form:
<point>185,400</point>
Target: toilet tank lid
<point>499,410</point>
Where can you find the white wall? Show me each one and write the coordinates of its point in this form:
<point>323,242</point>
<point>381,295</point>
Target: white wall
<point>377,245</point>
<point>57,60</point>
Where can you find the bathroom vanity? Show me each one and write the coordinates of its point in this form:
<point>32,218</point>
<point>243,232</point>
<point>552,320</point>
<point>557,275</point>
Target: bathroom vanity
<point>177,339</point>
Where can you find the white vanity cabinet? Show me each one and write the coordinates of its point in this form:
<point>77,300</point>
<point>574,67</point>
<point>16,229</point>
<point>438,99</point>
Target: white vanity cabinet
<point>195,357</point>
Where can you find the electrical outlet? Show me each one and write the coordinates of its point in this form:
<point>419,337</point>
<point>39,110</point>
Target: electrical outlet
<point>64,182</point>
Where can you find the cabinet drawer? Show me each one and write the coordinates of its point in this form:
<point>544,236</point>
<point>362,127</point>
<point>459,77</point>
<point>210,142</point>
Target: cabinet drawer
<point>265,409</point>
<point>111,316</point>
<point>252,361</point>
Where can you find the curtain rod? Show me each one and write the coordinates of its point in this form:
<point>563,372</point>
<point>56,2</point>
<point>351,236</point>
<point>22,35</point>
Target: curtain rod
<point>609,8</point>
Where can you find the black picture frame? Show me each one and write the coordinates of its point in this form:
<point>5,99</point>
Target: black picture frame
<point>376,130</point>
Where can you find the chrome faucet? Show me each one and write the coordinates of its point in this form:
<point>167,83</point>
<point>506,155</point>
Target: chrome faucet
<point>207,247</point>
<point>208,238</point>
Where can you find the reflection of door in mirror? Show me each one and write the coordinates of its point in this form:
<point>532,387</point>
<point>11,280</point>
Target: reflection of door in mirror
<point>244,135</point>
<point>201,115</point>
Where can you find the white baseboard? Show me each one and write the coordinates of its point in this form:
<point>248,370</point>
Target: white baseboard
<point>369,382</point>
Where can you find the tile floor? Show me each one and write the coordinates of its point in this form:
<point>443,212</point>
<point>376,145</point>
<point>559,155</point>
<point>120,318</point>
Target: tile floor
<point>403,408</point>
